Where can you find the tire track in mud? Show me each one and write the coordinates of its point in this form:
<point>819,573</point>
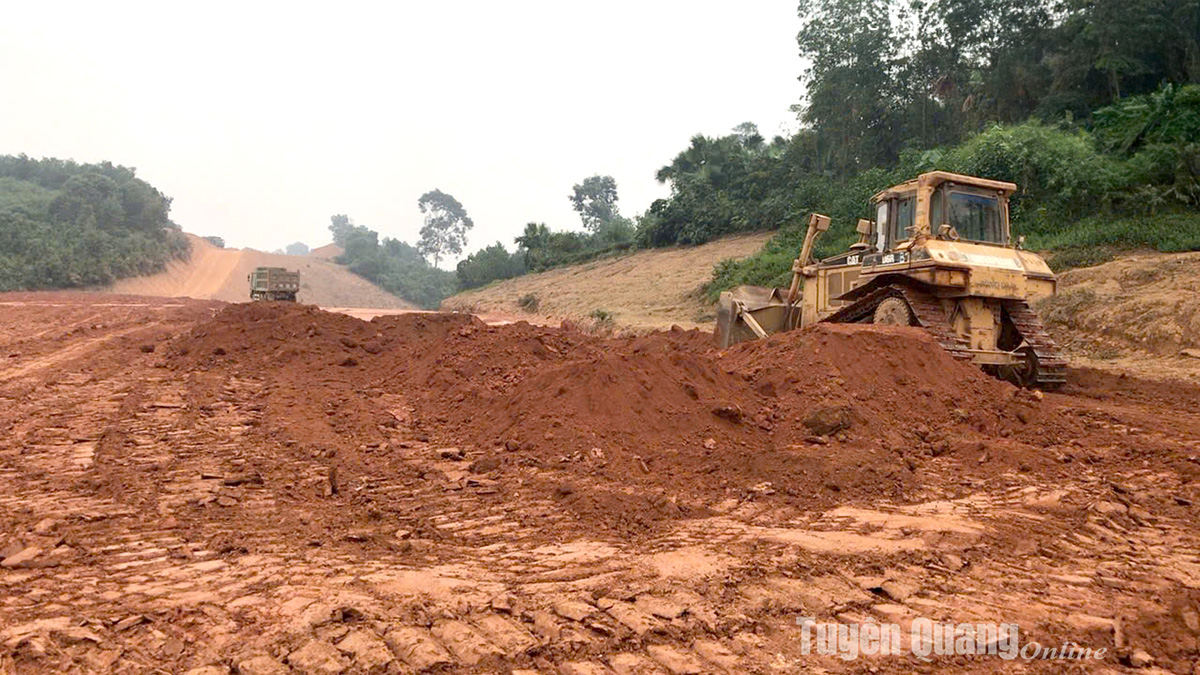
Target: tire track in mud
<point>75,350</point>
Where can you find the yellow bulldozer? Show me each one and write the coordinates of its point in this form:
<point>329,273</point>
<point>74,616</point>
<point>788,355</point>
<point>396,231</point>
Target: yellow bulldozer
<point>939,255</point>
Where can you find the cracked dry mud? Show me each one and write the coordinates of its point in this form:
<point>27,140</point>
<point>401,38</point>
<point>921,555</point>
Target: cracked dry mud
<point>192,486</point>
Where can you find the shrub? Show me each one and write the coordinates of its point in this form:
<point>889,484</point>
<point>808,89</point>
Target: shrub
<point>1174,231</point>
<point>528,302</point>
<point>489,264</point>
<point>603,317</point>
<point>1059,174</point>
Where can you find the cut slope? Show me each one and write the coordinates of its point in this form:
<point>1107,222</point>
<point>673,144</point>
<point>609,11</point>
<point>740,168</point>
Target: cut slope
<point>213,273</point>
<point>648,289</point>
<point>1140,313</point>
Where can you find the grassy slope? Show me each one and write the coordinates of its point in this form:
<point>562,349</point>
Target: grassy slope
<point>648,289</point>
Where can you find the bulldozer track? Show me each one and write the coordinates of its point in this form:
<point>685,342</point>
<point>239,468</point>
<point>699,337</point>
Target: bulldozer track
<point>926,309</point>
<point>1052,366</point>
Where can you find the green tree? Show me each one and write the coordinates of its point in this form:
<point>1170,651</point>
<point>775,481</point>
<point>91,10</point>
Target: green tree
<point>89,199</point>
<point>532,245</point>
<point>340,226</point>
<point>536,237</point>
<point>297,248</point>
<point>446,225</point>
<point>747,134</point>
<point>360,243</point>
<point>595,199</point>
<point>392,265</point>
<point>489,264</point>
<point>853,81</point>
<point>718,161</point>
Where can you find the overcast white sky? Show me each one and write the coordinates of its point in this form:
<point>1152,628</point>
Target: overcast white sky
<point>261,120</point>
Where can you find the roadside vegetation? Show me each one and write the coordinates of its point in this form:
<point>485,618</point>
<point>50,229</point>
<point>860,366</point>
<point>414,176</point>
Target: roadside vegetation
<point>68,225</point>
<point>393,265</point>
<point>405,270</point>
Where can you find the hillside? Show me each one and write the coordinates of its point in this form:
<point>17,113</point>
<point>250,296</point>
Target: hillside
<point>1140,312</point>
<point>213,273</point>
<point>648,289</point>
<point>70,225</point>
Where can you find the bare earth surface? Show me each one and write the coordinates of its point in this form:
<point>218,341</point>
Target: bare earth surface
<point>1140,313</point>
<point>271,489</point>
<point>645,290</point>
<point>220,274</point>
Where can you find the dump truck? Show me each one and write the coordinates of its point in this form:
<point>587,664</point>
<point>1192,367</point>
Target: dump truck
<point>274,283</point>
<point>939,255</point>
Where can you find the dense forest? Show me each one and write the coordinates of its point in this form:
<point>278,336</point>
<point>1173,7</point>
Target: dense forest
<point>66,225</point>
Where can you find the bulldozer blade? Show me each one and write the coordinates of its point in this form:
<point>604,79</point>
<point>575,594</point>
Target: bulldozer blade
<point>751,313</point>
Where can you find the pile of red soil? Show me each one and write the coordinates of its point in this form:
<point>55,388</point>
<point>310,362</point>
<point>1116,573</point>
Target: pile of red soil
<point>644,397</point>
<point>896,383</point>
<point>623,430</point>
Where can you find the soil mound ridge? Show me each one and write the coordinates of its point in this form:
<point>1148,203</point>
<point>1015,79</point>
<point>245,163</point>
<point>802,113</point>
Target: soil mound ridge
<point>625,431</point>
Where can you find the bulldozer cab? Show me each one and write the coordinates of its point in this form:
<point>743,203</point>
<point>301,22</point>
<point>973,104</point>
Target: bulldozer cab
<point>943,205</point>
<point>935,205</point>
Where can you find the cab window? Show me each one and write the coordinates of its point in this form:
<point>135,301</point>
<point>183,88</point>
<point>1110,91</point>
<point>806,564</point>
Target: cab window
<point>906,213</point>
<point>976,217</point>
<point>881,225</point>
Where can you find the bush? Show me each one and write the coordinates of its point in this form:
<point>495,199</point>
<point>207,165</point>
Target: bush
<point>1096,237</point>
<point>1169,115</point>
<point>603,318</point>
<point>528,302</point>
<point>845,203</point>
<point>1059,174</point>
<point>393,265</point>
<point>541,249</point>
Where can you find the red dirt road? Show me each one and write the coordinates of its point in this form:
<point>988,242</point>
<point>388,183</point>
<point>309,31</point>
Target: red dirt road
<point>271,489</point>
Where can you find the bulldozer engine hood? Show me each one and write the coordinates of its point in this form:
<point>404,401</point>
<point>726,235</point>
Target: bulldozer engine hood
<point>957,268</point>
<point>982,255</point>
